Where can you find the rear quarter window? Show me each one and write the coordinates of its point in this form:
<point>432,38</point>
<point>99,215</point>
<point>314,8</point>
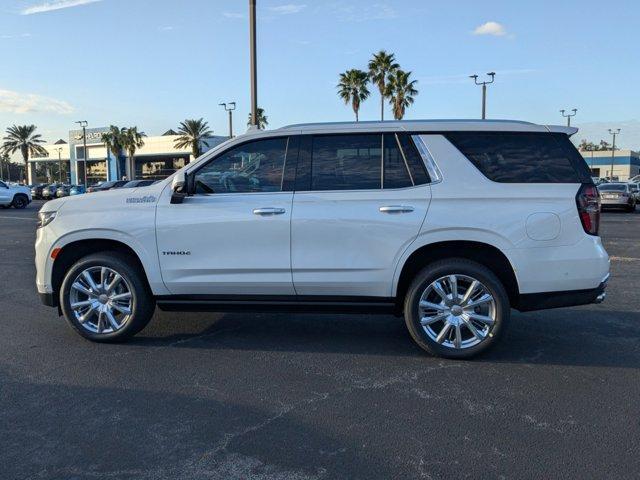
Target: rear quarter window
<point>515,157</point>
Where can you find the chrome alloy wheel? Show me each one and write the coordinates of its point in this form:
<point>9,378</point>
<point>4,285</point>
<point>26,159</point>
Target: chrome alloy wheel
<point>457,311</point>
<point>101,300</point>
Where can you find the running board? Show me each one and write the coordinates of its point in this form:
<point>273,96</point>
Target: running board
<point>279,303</point>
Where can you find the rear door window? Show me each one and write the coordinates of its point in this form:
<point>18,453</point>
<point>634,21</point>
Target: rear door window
<point>396,172</point>
<point>515,157</point>
<point>346,162</point>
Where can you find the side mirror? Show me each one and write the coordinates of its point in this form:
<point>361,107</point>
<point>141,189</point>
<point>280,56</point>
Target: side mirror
<point>179,190</point>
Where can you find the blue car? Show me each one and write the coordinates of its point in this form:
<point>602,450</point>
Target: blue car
<point>77,190</point>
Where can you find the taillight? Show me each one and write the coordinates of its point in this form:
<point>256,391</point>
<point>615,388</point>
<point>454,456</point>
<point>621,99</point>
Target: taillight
<point>588,202</point>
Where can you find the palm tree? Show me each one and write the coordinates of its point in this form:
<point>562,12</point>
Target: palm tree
<point>192,135</point>
<point>401,91</point>
<point>353,88</point>
<point>131,140</point>
<point>25,139</point>
<point>380,66</point>
<point>113,141</point>
<point>262,119</point>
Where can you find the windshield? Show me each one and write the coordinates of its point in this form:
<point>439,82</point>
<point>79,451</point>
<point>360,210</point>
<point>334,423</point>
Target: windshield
<point>612,187</point>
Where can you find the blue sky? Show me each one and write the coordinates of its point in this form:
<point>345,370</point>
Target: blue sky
<point>153,63</point>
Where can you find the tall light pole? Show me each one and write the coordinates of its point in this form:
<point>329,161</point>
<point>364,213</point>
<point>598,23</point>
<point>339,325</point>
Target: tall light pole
<point>613,132</point>
<point>254,67</point>
<point>83,124</point>
<point>484,90</point>
<point>59,150</point>
<point>569,115</point>
<point>230,108</point>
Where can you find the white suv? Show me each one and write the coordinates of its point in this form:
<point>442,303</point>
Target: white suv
<point>11,195</point>
<point>449,223</point>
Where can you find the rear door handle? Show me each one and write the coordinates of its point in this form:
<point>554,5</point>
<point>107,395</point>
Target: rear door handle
<point>396,209</point>
<point>268,211</point>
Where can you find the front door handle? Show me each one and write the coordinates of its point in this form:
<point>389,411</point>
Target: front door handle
<point>268,211</point>
<point>396,209</point>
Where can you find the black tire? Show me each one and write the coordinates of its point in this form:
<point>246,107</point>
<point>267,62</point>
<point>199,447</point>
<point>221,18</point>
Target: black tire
<point>5,206</point>
<point>20,201</point>
<point>631,208</point>
<point>143,304</point>
<point>457,266</point>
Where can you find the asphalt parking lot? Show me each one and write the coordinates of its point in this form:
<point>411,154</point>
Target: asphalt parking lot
<point>267,396</point>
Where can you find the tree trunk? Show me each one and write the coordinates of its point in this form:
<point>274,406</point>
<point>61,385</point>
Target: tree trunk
<point>27,170</point>
<point>381,107</point>
<point>132,167</point>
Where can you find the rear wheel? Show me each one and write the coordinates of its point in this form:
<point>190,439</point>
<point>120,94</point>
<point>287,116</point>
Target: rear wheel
<point>20,201</point>
<point>105,298</point>
<point>456,308</point>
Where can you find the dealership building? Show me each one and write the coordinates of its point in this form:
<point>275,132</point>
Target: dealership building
<point>626,163</point>
<point>157,159</point>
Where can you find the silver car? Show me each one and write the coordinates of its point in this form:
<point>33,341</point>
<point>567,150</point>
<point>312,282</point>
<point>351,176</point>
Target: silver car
<point>617,195</point>
<point>635,189</point>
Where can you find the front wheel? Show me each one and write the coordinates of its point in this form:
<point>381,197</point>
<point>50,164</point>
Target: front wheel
<point>20,201</point>
<point>456,308</point>
<point>105,298</point>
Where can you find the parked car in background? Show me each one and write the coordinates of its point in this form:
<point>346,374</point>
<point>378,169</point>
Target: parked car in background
<point>635,189</point>
<point>635,179</point>
<point>103,186</point>
<point>451,223</point>
<point>14,195</point>
<point>138,183</point>
<point>63,191</point>
<point>77,190</point>
<point>36,191</point>
<point>617,195</point>
<point>49,192</point>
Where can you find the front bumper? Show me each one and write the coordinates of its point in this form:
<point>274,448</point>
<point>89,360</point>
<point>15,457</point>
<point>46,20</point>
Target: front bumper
<point>542,301</point>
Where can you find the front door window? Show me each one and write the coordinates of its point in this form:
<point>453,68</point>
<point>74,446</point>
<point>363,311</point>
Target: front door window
<point>251,167</point>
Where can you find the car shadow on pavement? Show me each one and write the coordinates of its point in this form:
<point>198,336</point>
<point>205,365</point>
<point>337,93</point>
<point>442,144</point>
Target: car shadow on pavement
<point>572,336</point>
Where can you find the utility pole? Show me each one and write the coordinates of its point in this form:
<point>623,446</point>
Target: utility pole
<point>83,124</point>
<point>59,150</point>
<point>230,109</point>
<point>569,115</point>
<point>613,149</point>
<point>484,90</point>
<point>254,67</point>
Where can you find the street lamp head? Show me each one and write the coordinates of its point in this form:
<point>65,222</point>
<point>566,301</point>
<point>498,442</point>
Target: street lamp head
<point>473,76</point>
<point>492,74</point>
<point>562,112</point>
<point>575,110</point>
<point>223,105</point>
<point>233,105</point>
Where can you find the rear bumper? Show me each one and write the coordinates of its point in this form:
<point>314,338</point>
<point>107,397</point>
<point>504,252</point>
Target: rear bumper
<point>542,301</point>
<point>616,202</point>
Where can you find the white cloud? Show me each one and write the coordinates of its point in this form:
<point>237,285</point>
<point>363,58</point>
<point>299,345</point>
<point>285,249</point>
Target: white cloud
<point>16,102</point>
<point>232,15</point>
<point>166,28</point>
<point>287,9</point>
<point>21,35</point>
<point>352,13</point>
<point>491,28</point>
<point>55,5</point>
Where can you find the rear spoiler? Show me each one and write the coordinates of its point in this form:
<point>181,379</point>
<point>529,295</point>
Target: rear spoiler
<point>569,131</point>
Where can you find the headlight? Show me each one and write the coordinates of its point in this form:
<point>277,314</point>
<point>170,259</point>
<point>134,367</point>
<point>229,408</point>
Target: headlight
<point>45,218</point>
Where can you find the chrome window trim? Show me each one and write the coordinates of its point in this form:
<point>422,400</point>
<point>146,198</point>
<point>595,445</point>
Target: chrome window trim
<point>435,175</point>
